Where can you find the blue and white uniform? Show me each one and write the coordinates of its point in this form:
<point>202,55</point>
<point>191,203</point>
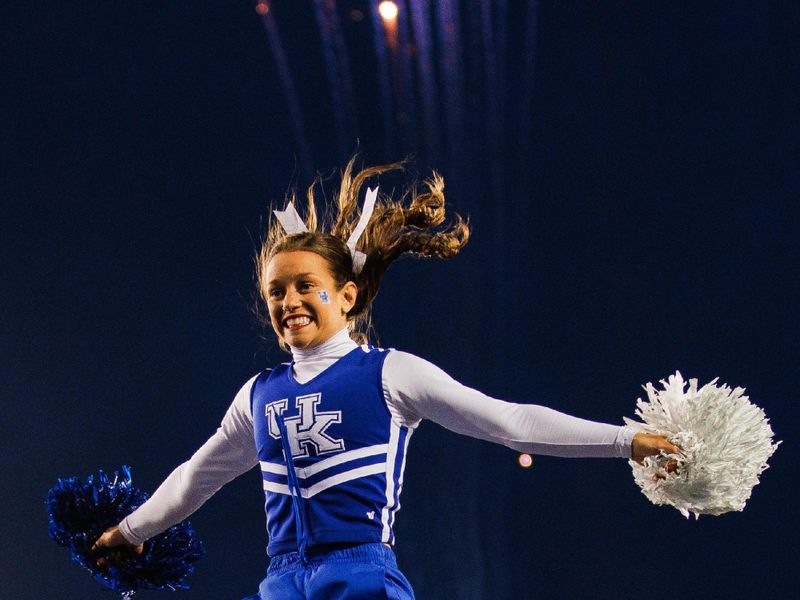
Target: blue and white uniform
<point>398,390</point>
<point>347,451</point>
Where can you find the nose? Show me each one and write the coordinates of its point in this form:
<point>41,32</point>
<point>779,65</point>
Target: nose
<point>291,301</point>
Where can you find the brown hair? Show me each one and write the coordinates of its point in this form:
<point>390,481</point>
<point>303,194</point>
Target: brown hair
<point>394,229</point>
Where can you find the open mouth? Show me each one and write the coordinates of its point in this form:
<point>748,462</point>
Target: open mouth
<point>295,323</point>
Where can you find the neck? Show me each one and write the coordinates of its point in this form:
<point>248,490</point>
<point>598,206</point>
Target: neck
<point>310,362</point>
<point>336,345</point>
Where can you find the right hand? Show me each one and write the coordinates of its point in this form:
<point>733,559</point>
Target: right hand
<point>650,444</point>
<point>113,538</point>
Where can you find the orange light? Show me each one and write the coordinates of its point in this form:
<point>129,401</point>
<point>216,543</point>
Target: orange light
<point>525,461</point>
<point>262,8</point>
<point>388,10</point>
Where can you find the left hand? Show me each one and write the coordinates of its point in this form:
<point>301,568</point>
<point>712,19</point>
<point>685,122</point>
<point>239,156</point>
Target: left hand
<point>113,538</point>
<point>650,444</point>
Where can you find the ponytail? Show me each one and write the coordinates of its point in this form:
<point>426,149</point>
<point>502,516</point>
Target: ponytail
<point>396,227</point>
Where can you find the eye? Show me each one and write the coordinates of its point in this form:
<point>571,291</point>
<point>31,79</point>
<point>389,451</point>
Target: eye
<point>275,293</point>
<point>306,286</point>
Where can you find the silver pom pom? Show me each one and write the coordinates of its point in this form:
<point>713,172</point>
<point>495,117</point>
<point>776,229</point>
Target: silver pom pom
<point>726,442</point>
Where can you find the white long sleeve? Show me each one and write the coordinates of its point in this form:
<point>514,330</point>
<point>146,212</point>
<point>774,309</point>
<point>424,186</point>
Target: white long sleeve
<point>417,389</point>
<point>414,389</point>
<point>227,454</point>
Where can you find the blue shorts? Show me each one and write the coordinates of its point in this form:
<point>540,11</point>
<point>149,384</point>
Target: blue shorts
<point>362,572</point>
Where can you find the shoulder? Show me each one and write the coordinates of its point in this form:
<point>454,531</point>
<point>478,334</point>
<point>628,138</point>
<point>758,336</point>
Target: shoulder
<point>246,389</point>
<point>262,377</point>
<point>408,367</point>
<point>367,354</point>
<point>247,386</point>
<point>243,401</point>
<point>400,358</point>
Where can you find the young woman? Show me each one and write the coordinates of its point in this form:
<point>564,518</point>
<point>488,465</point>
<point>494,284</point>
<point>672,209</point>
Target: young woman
<point>330,429</point>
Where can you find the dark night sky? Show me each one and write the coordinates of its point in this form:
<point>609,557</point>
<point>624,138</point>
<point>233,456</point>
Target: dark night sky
<point>630,172</point>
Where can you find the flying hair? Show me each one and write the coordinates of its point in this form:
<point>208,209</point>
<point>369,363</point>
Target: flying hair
<point>413,224</point>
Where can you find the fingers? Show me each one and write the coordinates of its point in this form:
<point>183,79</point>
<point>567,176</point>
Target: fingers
<point>105,539</point>
<point>114,548</point>
<point>651,444</point>
<point>662,444</point>
<point>117,558</point>
<point>671,466</point>
<point>656,444</point>
<point>673,449</point>
<point>114,558</point>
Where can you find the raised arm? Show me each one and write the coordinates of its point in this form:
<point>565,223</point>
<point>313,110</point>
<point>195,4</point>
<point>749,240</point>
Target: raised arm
<point>226,455</point>
<point>416,389</point>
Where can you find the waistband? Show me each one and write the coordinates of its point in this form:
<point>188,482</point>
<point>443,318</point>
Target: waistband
<point>376,554</point>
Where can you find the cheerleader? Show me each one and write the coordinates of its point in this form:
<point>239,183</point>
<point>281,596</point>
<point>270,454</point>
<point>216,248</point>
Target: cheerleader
<point>330,429</point>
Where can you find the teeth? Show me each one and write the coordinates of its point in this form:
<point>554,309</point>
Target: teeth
<point>297,321</point>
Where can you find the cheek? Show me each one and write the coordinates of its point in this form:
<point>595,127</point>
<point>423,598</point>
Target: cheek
<point>273,313</point>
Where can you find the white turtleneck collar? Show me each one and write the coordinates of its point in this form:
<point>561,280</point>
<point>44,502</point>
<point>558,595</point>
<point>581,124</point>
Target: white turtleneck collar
<point>310,362</point>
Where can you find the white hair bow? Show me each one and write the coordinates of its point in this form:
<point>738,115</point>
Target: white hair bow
<point>290,220</point>
<point>292,223</point>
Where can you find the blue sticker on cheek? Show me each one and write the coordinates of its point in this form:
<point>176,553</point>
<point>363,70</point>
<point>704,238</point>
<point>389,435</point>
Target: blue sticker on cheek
<point>323,295</point>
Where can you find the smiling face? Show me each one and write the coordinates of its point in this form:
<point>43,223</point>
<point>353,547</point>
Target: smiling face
<point>305,306</point>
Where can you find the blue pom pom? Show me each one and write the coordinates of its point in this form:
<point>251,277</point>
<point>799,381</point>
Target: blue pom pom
<point>80,511</point>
